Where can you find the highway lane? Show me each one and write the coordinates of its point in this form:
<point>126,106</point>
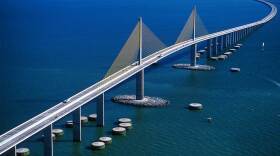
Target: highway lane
<point>41,121</point>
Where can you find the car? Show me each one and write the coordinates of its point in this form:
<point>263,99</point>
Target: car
<point>66,101</point>
<point>135,64</point>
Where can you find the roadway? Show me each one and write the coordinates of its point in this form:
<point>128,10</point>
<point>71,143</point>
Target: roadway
<point>41,121</point>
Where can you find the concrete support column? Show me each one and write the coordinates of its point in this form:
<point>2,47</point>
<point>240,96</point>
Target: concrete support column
<point>48,141</point>
<point>209,48</point>
<point>193,54</point>
<point>238,36</point>
<point>234,38</point>
<point>221,43</point>
<point>227,41</point>
<point>224,42</point>
<point>231,39</point>
<point>10,152</point>
<point>77,133</point>
<point>215,45</point>
<point>140,85</point>
<point>100,110</point>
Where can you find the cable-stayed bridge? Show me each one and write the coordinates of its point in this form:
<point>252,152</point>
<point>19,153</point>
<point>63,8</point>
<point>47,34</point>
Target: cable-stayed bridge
<point>141,50</point>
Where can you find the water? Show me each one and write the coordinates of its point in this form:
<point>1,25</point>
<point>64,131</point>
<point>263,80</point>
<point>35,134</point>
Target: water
<point>52,49</point>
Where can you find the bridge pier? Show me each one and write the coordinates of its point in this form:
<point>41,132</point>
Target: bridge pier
<point>227,41</point>
<point>231,39</point>
<point>77,135</point>
<point>234,37</point>
<point>193,55</point>
<point>209,48</point>
<point>221,40</point>
<point>140,85</point>
<point>215,46</point>
<point>100,110</point>
<point>224,42</point>
<point>239,35</point>
<point>48,141</point>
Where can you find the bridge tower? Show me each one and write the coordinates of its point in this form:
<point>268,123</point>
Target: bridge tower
<point>192,29</point>
<point>140,75</point>
<point>194,47</point>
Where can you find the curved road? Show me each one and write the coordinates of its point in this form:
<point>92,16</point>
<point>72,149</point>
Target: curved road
<point>41,121</point>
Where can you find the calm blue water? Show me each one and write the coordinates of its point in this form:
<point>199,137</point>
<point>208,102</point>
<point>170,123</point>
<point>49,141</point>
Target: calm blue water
<point>52,49</point>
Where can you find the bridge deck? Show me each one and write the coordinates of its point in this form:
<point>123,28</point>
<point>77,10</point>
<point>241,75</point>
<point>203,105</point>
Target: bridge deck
<point>39,122</point>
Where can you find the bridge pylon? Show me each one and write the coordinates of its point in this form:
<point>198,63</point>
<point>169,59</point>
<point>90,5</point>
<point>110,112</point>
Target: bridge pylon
<point>140,75</point>
<point>194,47</point>
<point>194,28</point>
<point>141,44</point>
